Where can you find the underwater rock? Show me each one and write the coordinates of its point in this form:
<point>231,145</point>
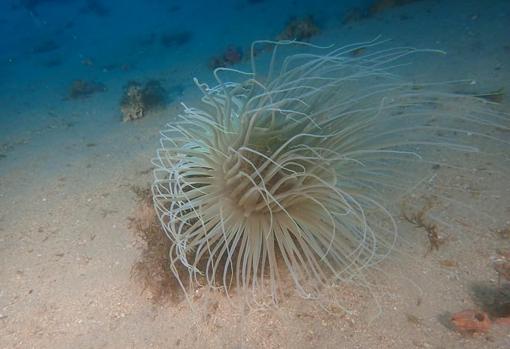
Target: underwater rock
<point>300,29</point>
<point>233,55</point>
<point>139,99</point>
<point>230,56</point>
<point>83,89</point>
<point>503,321</point>
<point>379,6</point>
<point>376,7</point>
<point>354,15</point>
<point>497,306</point>
<point>131,104</point>
<point>471,322</point>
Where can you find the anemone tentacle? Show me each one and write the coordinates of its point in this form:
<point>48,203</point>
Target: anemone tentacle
<point>295,170</point>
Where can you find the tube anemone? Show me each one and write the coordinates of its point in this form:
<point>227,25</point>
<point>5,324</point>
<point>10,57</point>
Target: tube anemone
<point>293,170</point>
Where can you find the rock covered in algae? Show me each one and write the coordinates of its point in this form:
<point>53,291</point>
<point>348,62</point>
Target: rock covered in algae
<point>80,89</point>
<point>300,29</point>
<point>139,99</point>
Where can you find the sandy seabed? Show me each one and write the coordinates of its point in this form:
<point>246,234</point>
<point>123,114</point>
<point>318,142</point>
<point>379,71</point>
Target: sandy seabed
<point>67,249</point>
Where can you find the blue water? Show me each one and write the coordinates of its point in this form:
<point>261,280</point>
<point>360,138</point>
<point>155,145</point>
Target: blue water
<point>49,44</point>
<point>46,44</point>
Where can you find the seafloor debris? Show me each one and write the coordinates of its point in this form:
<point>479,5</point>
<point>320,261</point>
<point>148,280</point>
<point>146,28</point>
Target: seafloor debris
<point>231,56</point>
<point>151,269</point>
<point>419,219</point>
<point>83,89</point>
<point>300,29</point>
<point>142,193</point>
<point>379,6</point>
<point>354,15</point>
<point>503,233</point>
<point>448,263</point>
<point>376,7</point>
<point>131,105</point>
<point>139,99</point>
<point>504,321</point>
<point>471,322</point>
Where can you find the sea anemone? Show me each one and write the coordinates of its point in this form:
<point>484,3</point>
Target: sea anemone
<point>293,171</point>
